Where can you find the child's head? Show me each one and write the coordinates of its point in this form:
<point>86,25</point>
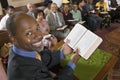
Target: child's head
<point>31,7</point>
<point>39,14</point>
<point>81,3</point>
<point>10,10</point>
<point>75,6</point>
<point>66,8</point>
<point>24,32</point>
<point>54,7</point>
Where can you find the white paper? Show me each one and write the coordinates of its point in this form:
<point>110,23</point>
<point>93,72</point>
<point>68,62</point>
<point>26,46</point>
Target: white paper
<point>75,35</point>
<point>84,40</point>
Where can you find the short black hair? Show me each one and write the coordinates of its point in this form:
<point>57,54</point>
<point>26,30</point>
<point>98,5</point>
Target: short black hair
<point>47,2</point>
<point>39,11</point>
<point>75,3</point>
<point>80,1</point>
<point>10,7</point>
<point>10,23</point>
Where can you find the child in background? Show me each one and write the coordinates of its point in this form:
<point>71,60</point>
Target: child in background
<point>51,40</point>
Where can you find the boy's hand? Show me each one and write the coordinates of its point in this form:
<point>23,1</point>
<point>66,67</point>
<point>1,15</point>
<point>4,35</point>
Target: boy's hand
<point>66,48</point>
<point>75,57</point>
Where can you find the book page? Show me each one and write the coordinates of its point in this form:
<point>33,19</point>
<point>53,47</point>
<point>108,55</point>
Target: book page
<point>62,28</point>
<point>76,33</point>
<point>86,43</point>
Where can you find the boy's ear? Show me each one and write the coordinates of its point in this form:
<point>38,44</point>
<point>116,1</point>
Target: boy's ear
<point>12,39</point>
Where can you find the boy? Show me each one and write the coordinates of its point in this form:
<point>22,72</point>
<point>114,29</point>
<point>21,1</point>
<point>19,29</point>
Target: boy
<point>25,63</point>
<point>31,9</point>
<point>10,10</point>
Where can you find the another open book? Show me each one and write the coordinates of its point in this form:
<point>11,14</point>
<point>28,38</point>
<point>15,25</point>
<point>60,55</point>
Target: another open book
<point>62,28</point>
<point>84,40</point>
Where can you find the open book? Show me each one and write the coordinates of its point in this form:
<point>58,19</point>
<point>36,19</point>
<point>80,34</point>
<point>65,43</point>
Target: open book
<point>62,28</point>
<point>84,40</point>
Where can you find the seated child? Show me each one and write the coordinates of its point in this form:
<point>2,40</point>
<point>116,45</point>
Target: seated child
<point>27,59</point>
<point>51,40</point>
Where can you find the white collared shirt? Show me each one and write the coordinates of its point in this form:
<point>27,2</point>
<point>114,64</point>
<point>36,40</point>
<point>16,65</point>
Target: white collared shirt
<point>3,22</point>
<point>118,2</point>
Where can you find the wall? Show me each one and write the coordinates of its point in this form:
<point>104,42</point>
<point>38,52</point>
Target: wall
<point>1,12</point>
<point>18,3</point>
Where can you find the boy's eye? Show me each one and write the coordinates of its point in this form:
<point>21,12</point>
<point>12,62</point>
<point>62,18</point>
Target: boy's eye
<point>29,33</point>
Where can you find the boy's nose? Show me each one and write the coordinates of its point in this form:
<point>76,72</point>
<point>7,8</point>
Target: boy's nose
<point>38,35</point>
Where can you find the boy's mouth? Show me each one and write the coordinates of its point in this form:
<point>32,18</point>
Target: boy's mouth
<point>37,44</point>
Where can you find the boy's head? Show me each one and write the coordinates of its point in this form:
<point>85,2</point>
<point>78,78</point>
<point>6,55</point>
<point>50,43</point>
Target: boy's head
<point>39,14</point>
<point>81,3</point>
<point>31,7</point>
<point>24,32</point>
<point>54,7</point>
<point>75,6</point>
<point>66,8</point>
<point>10,10</point>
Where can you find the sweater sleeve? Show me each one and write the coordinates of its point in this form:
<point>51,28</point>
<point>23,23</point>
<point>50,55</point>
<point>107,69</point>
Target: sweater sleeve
<point>52,58</point>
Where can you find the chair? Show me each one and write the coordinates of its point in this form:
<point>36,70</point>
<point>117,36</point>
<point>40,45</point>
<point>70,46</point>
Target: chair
<point>3,75</point>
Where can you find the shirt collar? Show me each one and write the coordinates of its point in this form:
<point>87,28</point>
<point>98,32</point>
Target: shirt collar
<point>20,52</point>
<point>54,13</point>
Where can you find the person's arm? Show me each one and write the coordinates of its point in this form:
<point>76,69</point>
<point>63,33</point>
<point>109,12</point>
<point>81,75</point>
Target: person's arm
<point>67,72</point>
<point>52,58</point>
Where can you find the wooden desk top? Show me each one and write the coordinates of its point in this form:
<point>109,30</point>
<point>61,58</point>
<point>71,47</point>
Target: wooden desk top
<point>114,37</point>
<point>104,70</point>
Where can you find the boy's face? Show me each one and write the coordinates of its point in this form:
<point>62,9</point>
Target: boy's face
<point>54,7</point>
<point>82,3</point>
<point>31,7</point>
<point>40,16</point>
<point>10,11</point>
<point>28,36</point>
<point>66,8</point>
<point>75,7</point>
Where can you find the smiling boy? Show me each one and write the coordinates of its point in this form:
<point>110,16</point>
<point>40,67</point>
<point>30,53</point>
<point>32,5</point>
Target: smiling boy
<point>27,59</point>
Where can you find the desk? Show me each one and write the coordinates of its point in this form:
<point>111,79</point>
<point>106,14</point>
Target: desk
<point>105,69</point>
